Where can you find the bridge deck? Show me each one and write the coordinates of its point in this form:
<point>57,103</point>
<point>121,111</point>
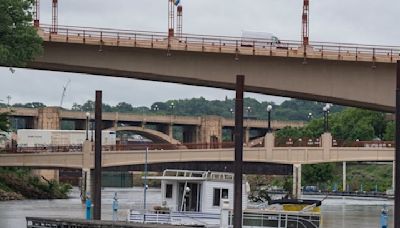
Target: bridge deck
<point>221,44</point>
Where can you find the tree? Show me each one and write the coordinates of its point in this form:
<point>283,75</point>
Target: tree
<point>19,41</point>
<point>4,124</point>
<point>317,174</point>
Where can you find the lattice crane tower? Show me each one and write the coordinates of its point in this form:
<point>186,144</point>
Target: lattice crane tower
<point>305,20</point>
<point>179,21</point>
<point>54,16</point>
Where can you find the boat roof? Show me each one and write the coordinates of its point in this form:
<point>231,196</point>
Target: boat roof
<point>190,175</point>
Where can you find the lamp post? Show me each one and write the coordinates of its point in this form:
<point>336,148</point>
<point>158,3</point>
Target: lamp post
<point>269,109</point>
<point>248,111</point>
<point>87,125</point>
<point>92,127</point>
<point>156,108</point>
<point>145,184</point>
<point>309,117</point>
<point>232,111</point>
<point>172,106</point>
<point>326,117</point>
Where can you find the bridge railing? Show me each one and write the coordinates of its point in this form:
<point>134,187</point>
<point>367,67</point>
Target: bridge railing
<point>223,44</point>
<point>373,144</point>
<point>297,142</point>
<point>41,149</point>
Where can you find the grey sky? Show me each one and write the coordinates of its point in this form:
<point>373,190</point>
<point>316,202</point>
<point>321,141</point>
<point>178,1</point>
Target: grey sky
<point>353,21</point>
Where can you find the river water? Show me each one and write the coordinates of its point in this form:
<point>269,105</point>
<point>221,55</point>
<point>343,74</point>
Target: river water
<point>337,212</point>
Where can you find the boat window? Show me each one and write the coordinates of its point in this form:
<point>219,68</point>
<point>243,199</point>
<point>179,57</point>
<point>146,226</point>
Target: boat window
<point>217,197</point>
<point>224,194</point>
<point>168,191</point>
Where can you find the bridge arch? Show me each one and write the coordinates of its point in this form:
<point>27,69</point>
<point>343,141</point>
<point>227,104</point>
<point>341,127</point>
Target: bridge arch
<point>153,135</point>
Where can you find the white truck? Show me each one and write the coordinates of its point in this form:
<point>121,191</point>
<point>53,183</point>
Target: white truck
<point>44,138</point>
<point>253,38</point>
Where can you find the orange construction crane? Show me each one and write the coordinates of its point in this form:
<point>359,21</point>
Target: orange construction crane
<point>305,20</point>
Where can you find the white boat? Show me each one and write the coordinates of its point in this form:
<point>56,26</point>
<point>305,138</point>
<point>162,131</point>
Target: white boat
<point>205,198</point>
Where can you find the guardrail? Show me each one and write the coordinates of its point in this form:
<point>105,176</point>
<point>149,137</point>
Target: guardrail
<point>222,44</point>
<point>41,149</point>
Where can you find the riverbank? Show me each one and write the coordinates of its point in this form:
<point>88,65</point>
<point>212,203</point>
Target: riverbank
<point>18,184</point>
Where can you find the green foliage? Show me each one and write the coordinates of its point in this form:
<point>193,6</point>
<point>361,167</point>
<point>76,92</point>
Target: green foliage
<point>4,123</point>
<point>348,125</point>
<point>390,131</point>
<point>317,174</point>
<point>19,42</point>
<point>31,187</point>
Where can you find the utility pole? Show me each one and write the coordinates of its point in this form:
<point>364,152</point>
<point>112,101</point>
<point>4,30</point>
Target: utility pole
<point>238,163</point>
<point>97,157</point>
<point>397,154</point>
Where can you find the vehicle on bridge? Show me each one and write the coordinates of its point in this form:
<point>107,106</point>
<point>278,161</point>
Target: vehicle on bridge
<point>29,138</point>
<point>259,39</point>
<point>205,198</point>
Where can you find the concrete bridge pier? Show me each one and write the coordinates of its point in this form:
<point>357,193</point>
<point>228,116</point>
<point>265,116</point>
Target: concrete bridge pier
<point>87,163</point>
<point>344,178</point>
<point>296,181</point>
<point>394,175</point>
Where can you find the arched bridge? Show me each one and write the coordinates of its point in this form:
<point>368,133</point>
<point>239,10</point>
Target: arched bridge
<point>155,136</point>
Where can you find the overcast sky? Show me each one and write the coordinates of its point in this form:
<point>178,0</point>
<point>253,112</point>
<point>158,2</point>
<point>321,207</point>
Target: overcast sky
<point>350,21</point>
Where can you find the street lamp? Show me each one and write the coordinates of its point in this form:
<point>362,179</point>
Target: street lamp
<point>269,109</point>
<point>232,111</point>
<point>309,117</point>
<point>87,125</point>
<point>156,108</point>
<point>248,111</point>
<point>172,106</point>
<point>326,117</point>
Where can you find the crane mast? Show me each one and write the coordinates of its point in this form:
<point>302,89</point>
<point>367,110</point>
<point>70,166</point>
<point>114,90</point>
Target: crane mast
<point>36,13</point>
<point>305,21</point>
<point>54,16</point>
<point>179,21</point>
<point>171,18</point>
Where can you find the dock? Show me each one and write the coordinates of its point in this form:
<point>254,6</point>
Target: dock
<point>35,222</point>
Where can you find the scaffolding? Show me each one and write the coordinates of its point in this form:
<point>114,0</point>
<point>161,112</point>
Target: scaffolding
<point>36,13</point>
<point>171,18</point>
<point>305,21</point>
<point>179,21</point>
<point>54,17</point>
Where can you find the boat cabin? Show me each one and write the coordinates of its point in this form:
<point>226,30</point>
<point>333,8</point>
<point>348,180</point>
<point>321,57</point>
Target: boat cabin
<point>198,191</point>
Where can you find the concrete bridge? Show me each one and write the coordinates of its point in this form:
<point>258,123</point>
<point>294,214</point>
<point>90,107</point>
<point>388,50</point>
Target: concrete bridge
<point>205,129</point>
<point>262,160</point>
<point>347,74</point>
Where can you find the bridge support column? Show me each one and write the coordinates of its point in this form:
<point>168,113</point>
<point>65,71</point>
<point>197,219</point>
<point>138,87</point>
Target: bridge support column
<point>269,144</point>
<point>49,118</point>
<point>344,178</point>
<point>326,140</point>
<point>394,176</point>
<point>296,181</point>
<point>246,135</point>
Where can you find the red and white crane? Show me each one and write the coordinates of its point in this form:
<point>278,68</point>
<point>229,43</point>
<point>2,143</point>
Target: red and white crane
<point>305,21</point>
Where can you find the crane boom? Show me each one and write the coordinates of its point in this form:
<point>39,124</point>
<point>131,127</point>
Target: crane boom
<point>64,91</point>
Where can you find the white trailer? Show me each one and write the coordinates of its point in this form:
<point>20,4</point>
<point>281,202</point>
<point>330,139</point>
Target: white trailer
<point>253,38</point>
<point>43,138</point>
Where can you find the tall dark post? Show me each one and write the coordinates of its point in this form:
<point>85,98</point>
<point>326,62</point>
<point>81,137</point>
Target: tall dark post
<point>397,156</point>
<point>238,164</point>
<point>97,158</point>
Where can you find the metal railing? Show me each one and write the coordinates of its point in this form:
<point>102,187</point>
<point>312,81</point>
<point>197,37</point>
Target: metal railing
<point>222,44</point>
<point>43,149</point>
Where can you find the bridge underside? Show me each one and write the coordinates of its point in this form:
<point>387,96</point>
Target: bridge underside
<point>248,167</point>
<point>362,84</point>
